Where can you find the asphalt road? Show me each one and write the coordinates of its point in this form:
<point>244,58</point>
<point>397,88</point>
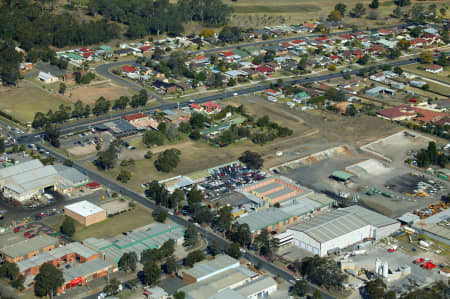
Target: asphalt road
<point>85,124</point>
<point>209,236</point>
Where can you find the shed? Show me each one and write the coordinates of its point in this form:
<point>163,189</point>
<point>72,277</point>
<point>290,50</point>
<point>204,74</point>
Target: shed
<point>340,175</point>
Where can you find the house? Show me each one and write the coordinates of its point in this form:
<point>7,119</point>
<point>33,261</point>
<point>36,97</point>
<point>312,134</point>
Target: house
<point>127,69</point>
<point>434,68</point>
<point>141,121</point>
<point>402,112</point>
<point>379,77</point>
<point>236,74</point>
<point>418,42</point>
<point>379,91</point>
<point>146,49</point>
<point>124,52</point>
<point>301,97</point>
<point>272,93</point>
<point>164,86</point>
<point>309,26</point>
<point>229,56</point>
<point>334,59</point>
<point>200,59</point>
<point>265,70</point>
<point>418,84</point>
<point>212,107</point>
<point>196,107</point>
<point>156,293</point>
<point>47,77</point>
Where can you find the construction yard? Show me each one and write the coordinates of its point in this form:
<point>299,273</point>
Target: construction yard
<point>379,177</point>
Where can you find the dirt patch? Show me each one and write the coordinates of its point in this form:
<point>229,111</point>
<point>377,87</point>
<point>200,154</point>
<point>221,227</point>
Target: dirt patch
<point>89,94</point>
<point>82,150</point>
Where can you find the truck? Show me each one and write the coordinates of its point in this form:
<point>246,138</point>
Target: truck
<point>393,248</point>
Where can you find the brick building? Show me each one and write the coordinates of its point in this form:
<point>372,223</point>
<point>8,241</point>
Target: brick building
<point>19,249</point>
<point>85,212</point>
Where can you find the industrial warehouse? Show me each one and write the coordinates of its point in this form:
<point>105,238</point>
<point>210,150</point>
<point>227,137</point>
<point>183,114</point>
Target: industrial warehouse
<point>31,180</point>
<point>137,241</point>
<point>225,277</point>
<point>341,228</point>
<point>295,203</point>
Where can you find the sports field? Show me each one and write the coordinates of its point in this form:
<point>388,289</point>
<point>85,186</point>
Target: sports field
<point>24,101</point>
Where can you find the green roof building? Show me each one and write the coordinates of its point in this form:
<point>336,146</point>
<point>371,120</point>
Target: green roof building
<point>340,175</point>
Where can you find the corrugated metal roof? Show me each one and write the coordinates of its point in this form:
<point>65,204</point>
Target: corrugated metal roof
<point>20,168</point>
<point>340,222</point>
<point>264,218</point>
<point>255,286</point>
<point>29,245</point>
<point>85,269</point>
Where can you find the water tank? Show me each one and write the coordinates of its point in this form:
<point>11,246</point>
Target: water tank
<point>385,269</point>
<point>377,266</point>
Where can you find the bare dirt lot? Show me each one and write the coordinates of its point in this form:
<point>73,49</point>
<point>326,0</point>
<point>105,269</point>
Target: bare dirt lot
<point>89,94</point>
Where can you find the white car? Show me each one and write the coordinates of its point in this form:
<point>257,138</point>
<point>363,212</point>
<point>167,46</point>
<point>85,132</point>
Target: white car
<point>235,94</point>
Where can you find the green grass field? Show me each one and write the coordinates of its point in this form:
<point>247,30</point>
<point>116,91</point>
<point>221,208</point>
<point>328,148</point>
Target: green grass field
<point>23,102</point>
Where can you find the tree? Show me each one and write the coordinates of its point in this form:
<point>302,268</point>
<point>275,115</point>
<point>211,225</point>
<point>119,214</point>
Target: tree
<point>168,160</point>
<point>350,111</point>
<point>426,57</point>
<point>194,257</point>
<point>68,163</point>
<point>198,120</point>
<point>2,145</point>
<point>358,11</point>
<point>68,227</point>
<point>9,270</point>
<point>317,294</point>
<point>148,155</point>
<point>62,88</point>
<point>160,215</point>
<point>263,243</point>
<point>48,280</point>
<point>52,135</point>
<point>335,15</point>
<point>171,265</point>
<point>179,295</point>
<point>191,237</point>
<point>230,34</point>
<point>124,176</point>
<point>341,8</point>
<point>195,135</point>
<point>300,288</point>
<point>397,12</point>
<point>334,94</point>
<point>442,60</point>
<point>151,138</point>
<point>234,250</point>
<point>225,217</point>
<point>112,288</point>
<point>17,283</point>
<point>375,289</point>
<point>404,44</point>
<point>374,4</point>
<point>252,160</point>
<point>402,2</point>
<point>128,261</point>
<point>151,273</point>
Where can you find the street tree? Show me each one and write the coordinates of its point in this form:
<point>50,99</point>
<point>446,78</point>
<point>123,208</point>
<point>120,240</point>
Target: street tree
<point>426,57</point>
<point>68,227</point>
<point>9,270</point>
<point>159,215</point>
<point>171,265</point>
<point>194,257</point>
<point>234,250</point>
<point>48,281</point>
<point>300,288</point>
<point>151,273</point>
<point>128,261</point>
<point>191,236</point>
<point>375,289</point>
<point>112,288</point>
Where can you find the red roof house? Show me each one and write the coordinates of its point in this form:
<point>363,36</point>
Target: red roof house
<point>128,69</point>
<point>135,116</point>
<point>264,69</point>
